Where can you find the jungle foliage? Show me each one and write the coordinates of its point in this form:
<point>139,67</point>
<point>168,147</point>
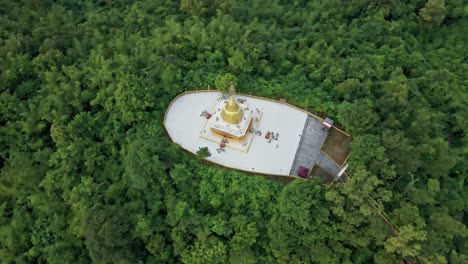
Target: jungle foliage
<point>88,172</point>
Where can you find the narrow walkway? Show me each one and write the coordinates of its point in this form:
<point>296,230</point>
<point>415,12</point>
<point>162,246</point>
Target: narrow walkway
<point>328,165</point>
<point>311,142</point>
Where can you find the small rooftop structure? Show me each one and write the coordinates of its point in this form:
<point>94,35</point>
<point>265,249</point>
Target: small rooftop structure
<point>303,172</point>
<point>328,123</point>
<point>341,172</point>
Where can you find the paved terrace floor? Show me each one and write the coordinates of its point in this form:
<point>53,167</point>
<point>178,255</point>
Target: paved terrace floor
<point>299,143</point>
<point>184,125</point>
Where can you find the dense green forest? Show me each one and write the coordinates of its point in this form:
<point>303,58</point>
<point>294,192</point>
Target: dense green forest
<point>88,173</point>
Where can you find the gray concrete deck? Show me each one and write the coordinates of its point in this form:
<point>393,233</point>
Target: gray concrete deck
<point>311,142</point>
<point>308,152</point>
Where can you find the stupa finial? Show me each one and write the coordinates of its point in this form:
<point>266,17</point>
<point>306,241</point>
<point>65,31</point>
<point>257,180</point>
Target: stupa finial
<point>232,90</point>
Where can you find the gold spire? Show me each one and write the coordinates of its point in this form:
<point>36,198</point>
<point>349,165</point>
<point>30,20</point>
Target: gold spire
<point>232,90</point>
<point>232,113</point>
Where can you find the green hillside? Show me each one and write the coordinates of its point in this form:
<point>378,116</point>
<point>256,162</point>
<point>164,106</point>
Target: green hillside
<point>88,173</point>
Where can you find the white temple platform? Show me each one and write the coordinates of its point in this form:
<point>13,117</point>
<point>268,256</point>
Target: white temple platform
<point>187,128</point>
<point>243,146</point>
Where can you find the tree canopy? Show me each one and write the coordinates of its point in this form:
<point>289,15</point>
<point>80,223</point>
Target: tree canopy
<point>88,173</point>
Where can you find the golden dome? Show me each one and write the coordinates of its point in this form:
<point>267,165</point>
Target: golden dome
<point>232,113</point>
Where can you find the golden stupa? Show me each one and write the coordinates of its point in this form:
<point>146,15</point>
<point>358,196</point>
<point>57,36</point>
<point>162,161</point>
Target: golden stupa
<point>231,122</point>
<point>232,113</point>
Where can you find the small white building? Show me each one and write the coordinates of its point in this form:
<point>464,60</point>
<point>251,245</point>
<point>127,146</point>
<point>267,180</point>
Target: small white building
<point>328,123</point>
